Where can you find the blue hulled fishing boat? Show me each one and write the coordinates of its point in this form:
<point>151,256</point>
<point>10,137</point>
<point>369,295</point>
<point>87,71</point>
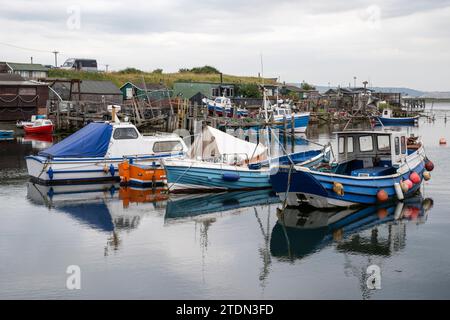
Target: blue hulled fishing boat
<point>219,161</point>
<point>371,167</point>
<point>387,118</point>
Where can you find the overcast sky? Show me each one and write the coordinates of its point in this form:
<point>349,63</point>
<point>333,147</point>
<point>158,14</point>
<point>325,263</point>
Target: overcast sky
<point>388,43</point>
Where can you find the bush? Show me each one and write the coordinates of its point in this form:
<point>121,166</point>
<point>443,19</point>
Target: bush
<point>204,69</point>
<point>159,71</point>
<point>130,70</point>
<point>250,90</point>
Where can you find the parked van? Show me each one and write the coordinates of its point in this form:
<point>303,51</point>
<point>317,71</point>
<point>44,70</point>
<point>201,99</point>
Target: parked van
<point>80,64</point>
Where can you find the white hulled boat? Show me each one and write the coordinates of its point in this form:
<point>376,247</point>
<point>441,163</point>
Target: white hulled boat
<point>94,153</point>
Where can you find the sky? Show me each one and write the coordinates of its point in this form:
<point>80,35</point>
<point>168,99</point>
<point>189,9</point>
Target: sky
<point>388,43</point>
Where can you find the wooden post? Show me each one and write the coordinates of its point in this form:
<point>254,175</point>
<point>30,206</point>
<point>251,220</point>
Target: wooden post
<point>292,126</point>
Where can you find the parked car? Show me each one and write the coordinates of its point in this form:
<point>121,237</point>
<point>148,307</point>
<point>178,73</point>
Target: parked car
<point>80,64</point>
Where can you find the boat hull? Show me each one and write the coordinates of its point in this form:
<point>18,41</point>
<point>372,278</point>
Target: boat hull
<point>316,188</point>
<point>71,170</point>
<point>300,122</point>
<point>397,121</point>
<point>191,176</point>
<point>46,129</point>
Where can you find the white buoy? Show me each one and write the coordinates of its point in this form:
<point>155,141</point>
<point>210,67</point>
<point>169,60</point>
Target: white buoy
<point>398,191</point>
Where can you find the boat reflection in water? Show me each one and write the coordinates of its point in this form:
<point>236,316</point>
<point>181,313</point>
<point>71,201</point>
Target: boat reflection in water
<point>37,141</point>
<point>299,233</point>
<point>189,206</point>
<point>365,237</point>
<point>105,207</point>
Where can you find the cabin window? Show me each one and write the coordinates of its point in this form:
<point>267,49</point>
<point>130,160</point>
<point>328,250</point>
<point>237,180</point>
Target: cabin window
<point>341,144</point>
<point>349,144</point>
<point>403,139</point>
<point>125,133</point>
<point>365,143</point>
<point>167,146</point>
<point>384,143</point>
<point>397,146</point>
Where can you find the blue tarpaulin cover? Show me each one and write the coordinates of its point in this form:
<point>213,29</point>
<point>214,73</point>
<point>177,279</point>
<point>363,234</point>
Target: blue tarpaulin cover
<point>91,141</point>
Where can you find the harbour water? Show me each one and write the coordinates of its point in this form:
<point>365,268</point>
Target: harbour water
<point>142,244</point>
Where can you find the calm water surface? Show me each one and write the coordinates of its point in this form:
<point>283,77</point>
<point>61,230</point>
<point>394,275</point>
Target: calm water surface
<point>138,244</point>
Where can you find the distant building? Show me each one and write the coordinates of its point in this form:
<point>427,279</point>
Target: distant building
<point>141,91</point>
<point>90,90</point>
<point>25,70</point>
<point>287,90</point>
<point>208,89</point>
<point>20,98</point>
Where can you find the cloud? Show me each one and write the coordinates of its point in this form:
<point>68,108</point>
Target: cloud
<point>318,41</point>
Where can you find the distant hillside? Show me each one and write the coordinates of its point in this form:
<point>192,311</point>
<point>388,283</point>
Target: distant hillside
<point>153,77</point>
<point>444,95</point>
<point>403,91</point>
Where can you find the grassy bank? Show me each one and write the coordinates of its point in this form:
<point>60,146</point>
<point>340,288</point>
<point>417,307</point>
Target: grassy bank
<point>167,78</point>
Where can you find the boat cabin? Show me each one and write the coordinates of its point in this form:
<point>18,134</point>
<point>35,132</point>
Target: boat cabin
<point>126,140</point>
<point>370,153</point>
<point>387,113</point>
<point>222,101</point>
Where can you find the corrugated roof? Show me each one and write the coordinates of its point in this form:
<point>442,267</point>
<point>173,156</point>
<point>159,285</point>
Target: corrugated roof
<point>149,86</point>
<point>11,77</point>
<point>26,66</point>
<point>97,87</point>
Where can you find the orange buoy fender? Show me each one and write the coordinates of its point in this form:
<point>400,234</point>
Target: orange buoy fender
<point>382,196</point>
<point>414,177</point>
<point>429,165</point>
<point>405,186</point>
<point>338,188</point>
<point>409,183</point>
<point>426,176</point>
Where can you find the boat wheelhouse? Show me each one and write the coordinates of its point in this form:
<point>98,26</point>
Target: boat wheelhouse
<point>368,164</point>
<point>94,153</point>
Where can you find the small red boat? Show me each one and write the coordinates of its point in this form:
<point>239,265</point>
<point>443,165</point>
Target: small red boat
<point>43,126</point>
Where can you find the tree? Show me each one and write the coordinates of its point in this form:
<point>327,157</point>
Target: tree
<point>307,86</point>
<point>159,71</point>
<point>249,90</point>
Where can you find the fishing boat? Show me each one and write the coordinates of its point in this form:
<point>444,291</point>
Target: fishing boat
<point>223,104</point>
<point>283,115</point>
<point>141,175</point>
<point>94,152</point>
<point>22,123</point>
<point>387,118</point>
<point>218,161</point>
<point>40,126</point>
<point>371,167</point>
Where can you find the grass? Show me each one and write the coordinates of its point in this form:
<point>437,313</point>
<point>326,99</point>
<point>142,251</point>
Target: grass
<point>150,77</point>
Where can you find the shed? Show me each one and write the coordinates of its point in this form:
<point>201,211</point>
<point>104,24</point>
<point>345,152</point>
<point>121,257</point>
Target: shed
<point>26,70</point>
<point>140,91</point>
<point>20,98</point>
<point>209,89</point>
<point>90,90</point>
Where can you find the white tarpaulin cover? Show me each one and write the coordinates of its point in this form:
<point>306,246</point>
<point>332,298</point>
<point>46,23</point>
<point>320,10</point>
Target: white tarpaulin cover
<point>213,143</point>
